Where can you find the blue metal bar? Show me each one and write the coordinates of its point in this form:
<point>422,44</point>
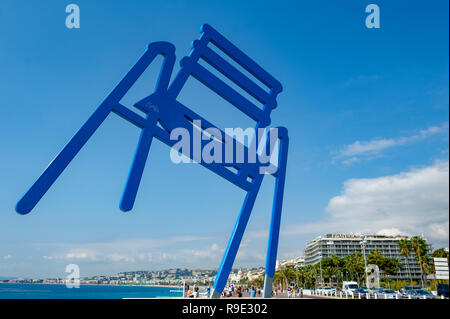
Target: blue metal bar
<point>184,73</point>
<point>235,75</point>
<point>129,115</point>
<point>161,107</point>
<point>242,59</point>
<point>139,160</point>
<point>109,104</point>
<point>228,93</point>
<point>236,238</point>
<point>274,232</point>
<point>57,166</point>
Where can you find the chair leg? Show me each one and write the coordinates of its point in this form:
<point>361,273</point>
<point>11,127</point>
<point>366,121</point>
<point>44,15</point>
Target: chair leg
<point>139,160</point>
<point>268,283</point>
<point>59,164</point>
<point>275,222</point>
<point>235,239</point>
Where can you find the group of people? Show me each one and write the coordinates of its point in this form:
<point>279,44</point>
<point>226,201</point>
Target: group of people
<point>292,292</point>
<point>190,293</point>
<point>233,291</point>
<point>237,291</point>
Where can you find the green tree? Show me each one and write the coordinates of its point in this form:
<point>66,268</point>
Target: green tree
<point>389,266</point>
<point>278,278</point>
<point>420,248</point>
<point>404,247</point>
<point>338,264</point>
<point>311,275</point>
<point>300,276</point>
<point>289,275</point>
<point>258,282</point>
<point>284,277</point>
<point>440,253</point>
<point>354,263</point>
<point>375,257</point>
<point>331,267</point>
<point>328,272</point>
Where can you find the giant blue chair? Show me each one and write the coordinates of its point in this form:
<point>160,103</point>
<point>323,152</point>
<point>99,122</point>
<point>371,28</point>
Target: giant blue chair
<point>164,114</point>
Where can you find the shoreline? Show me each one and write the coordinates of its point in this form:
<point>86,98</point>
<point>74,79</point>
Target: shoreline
<point>127,285</point>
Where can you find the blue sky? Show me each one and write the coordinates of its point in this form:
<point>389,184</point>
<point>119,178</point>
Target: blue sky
<point>366,109</point>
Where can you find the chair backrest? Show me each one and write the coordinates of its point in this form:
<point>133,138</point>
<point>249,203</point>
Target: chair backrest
<point>264,90</point>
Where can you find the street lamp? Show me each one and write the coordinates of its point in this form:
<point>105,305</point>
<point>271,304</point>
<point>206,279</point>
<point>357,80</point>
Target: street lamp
<point>363,245</point>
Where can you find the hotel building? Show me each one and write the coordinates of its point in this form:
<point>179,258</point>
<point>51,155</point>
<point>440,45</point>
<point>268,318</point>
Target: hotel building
<point>343,245</point>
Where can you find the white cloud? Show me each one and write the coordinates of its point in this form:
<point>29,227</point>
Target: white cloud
<point>151,253</point>
<point>367,149</point>
<point>391,232</point>
<point>414,203</point>
<point>137,251</point>
<point>212,252</point>
<point>7,257</point>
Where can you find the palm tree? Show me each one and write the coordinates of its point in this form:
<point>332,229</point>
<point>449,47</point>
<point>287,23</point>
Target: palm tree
<point>440,253</point>
<point>420,247</point>
<point>301,274</point>
<point>277,278</point>
<point>259,281</point>
<point>338,264</point>
<point>311,274</point>
<point>404,247</point>
<point>288,276</point>
<point>328,273</point>
<point>283,277</point>
<point>355,265</point>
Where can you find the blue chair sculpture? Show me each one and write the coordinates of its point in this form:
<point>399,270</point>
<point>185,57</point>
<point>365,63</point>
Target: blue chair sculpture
<point>164,113</point>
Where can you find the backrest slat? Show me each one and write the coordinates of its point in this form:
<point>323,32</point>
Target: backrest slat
<point>190,65</point>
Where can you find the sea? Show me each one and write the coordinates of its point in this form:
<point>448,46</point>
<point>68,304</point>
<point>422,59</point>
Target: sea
<point>48,291</point>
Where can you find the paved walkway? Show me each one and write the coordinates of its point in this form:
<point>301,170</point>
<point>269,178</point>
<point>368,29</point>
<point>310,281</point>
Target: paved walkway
<point>279,295</point>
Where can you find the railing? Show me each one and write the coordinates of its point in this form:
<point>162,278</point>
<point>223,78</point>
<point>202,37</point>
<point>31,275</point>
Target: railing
<point>369,295</point>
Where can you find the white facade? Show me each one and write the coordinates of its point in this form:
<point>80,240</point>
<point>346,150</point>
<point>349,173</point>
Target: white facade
<point>343,245</point>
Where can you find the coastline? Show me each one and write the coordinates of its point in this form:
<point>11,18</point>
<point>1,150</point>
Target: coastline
<point>110,285</point>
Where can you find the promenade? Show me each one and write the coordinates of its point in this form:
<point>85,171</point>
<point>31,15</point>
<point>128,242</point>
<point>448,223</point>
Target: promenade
<point>282,295</point>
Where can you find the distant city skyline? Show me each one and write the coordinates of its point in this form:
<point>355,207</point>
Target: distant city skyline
<point>367,112</point>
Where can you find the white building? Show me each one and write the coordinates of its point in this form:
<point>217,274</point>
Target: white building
<point>236,277</point>
<point>343,245</point>
<point>292,263</point>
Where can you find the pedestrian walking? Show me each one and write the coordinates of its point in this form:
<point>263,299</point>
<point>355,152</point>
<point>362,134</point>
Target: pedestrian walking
<point>252,292</point>
<point>197,293</point>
